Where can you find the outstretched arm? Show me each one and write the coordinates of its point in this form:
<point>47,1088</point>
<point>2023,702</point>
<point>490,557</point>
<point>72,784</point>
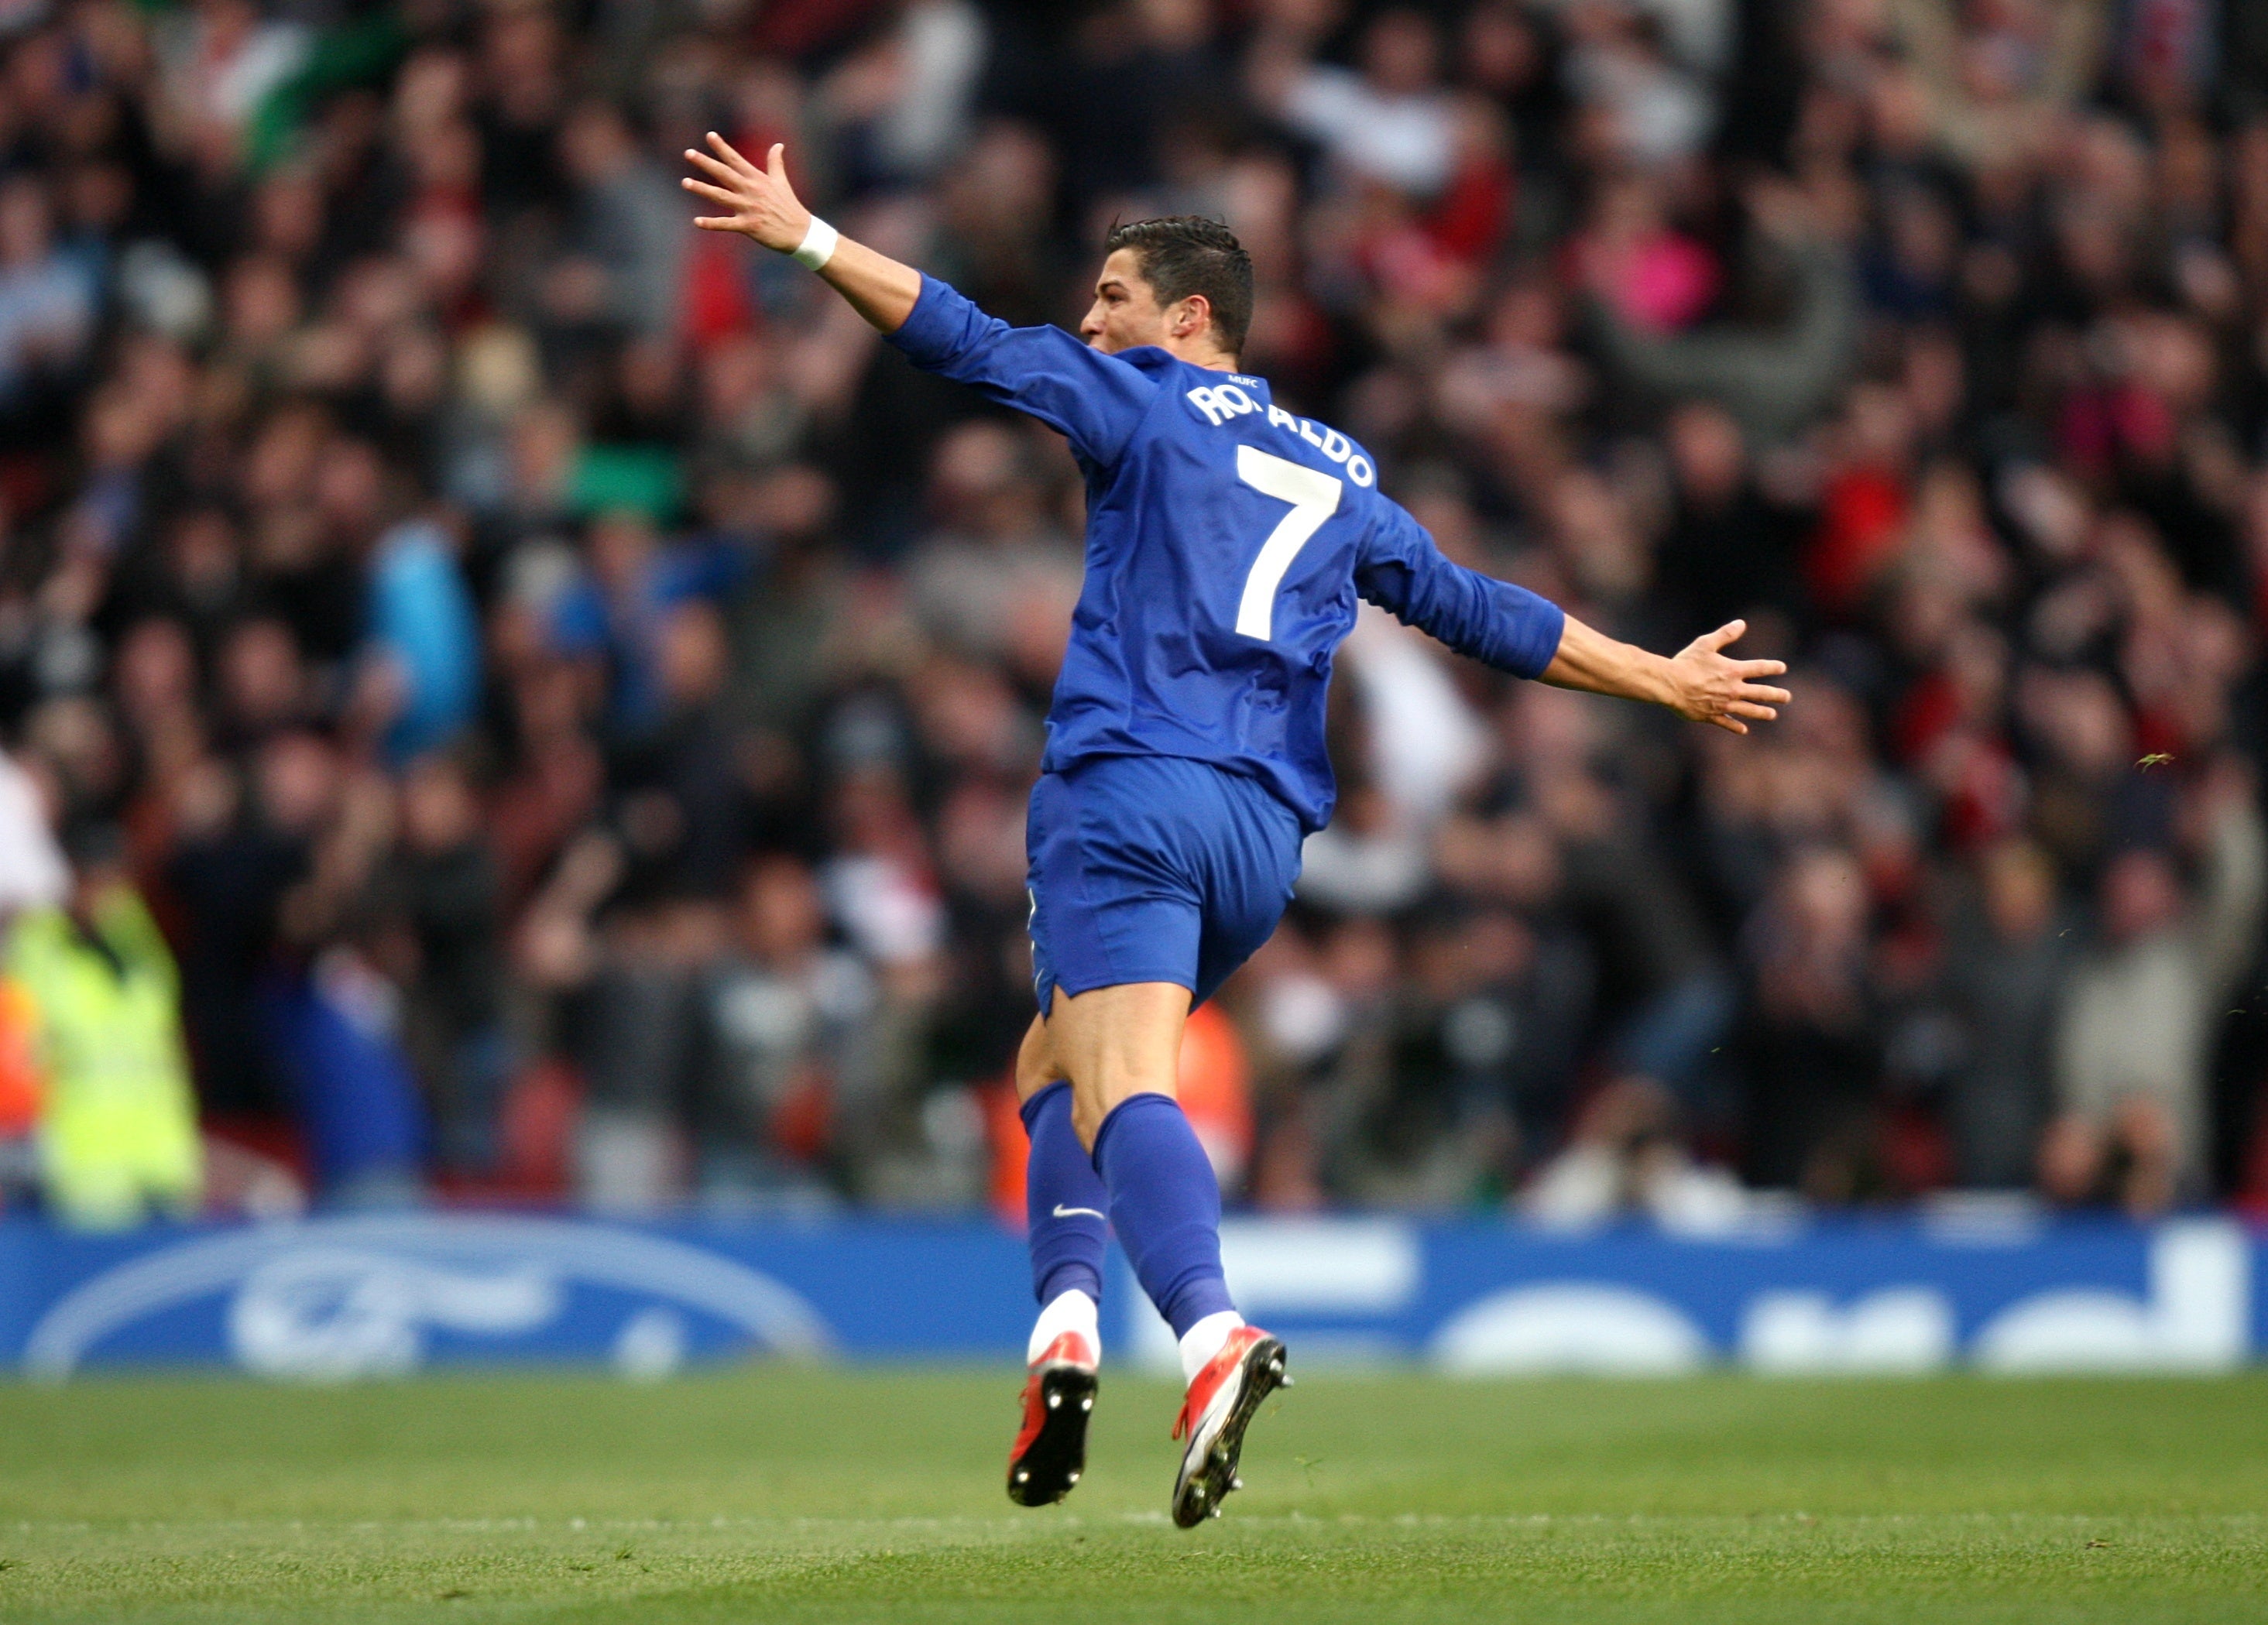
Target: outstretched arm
<point>1516,631</point>
<point>760,205</point>
<point>1095,400</point>
<point>1699,683</point>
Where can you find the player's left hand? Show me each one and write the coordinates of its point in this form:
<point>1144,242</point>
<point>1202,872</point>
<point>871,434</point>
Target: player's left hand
<point>757,204</point>
<point>1709,686</point>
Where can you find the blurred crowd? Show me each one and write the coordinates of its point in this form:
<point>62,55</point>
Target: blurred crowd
<point>507,697</point>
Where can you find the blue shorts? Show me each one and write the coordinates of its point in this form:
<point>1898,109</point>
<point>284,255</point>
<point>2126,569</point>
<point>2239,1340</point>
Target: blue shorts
<point>1154,869</point>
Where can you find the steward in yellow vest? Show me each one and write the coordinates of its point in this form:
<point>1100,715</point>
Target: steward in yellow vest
<point>118,1136</point>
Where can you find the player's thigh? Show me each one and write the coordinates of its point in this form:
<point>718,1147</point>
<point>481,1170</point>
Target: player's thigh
<point>1116,895</point>
<point>1251,865</point>
<point>1150,877</point>
<point>1116,1042</point>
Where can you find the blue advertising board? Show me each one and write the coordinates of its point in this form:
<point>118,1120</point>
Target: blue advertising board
<point>340,1297</point>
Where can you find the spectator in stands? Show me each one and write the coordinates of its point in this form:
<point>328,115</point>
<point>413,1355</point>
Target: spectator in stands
<point>47,298</point>
<point>2006,963</point>
<point>784,1075</point>
<point>1773,375</point>
<point>2133,1046</point>
<point>1813,1045</point>
<point>1389,123</point>
<point>441,887</point>
<point>424,629</point>
<point>629,231</point>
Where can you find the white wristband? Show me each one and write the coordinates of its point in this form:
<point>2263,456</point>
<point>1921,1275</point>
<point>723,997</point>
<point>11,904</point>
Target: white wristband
<point>818,244</point>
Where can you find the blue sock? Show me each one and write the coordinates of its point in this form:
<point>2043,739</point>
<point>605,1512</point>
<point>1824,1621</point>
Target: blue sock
<point>1166,1205</point>
<point>1063,1201</point>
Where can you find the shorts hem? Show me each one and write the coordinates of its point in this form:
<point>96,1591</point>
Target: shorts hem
<point>1072,987</point>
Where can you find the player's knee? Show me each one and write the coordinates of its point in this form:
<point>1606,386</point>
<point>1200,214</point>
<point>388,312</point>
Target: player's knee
<point>1086,1115</point>
<point>1091,1108</point>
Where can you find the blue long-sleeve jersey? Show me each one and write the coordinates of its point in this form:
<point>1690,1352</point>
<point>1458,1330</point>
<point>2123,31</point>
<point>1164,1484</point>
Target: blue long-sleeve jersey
<point>1226,542</point>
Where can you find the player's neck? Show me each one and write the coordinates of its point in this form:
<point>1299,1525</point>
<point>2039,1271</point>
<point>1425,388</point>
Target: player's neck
<point>1198,354</point>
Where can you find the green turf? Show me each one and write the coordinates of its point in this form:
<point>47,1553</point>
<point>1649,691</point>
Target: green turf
<point>780,1495</point>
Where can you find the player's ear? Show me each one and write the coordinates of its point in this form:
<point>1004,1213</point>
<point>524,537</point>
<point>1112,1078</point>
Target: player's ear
<point>1191,315</point>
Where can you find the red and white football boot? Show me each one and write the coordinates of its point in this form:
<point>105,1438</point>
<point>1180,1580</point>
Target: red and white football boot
<point>1050,1452</point>
<point>1220,1404</point>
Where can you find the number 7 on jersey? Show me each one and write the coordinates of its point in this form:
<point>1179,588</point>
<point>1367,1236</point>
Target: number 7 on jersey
<point>1314,497</point>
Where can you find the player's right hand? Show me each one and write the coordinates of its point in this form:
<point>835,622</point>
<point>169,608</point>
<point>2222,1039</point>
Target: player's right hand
<point>1711,689</point>
<point>757,204</point>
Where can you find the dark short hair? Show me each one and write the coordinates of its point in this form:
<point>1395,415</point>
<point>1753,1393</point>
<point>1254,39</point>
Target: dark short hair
<point>1183,254</point>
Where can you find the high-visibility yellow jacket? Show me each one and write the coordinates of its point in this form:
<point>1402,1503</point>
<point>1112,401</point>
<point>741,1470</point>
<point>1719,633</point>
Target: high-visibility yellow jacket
<point>118,1136</point>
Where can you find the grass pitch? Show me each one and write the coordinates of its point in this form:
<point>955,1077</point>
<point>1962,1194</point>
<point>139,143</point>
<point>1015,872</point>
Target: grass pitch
<point>782,1496</point>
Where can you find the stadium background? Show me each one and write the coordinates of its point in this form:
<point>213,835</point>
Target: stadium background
<point>565,694</point>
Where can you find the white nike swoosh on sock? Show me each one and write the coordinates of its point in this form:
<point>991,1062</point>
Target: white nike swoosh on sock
<point>1063,1212</point>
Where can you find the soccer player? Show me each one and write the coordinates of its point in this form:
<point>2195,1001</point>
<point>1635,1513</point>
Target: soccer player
<point>1227,541</point>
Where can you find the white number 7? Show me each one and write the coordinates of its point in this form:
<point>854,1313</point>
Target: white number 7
<point>1314,497</point>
